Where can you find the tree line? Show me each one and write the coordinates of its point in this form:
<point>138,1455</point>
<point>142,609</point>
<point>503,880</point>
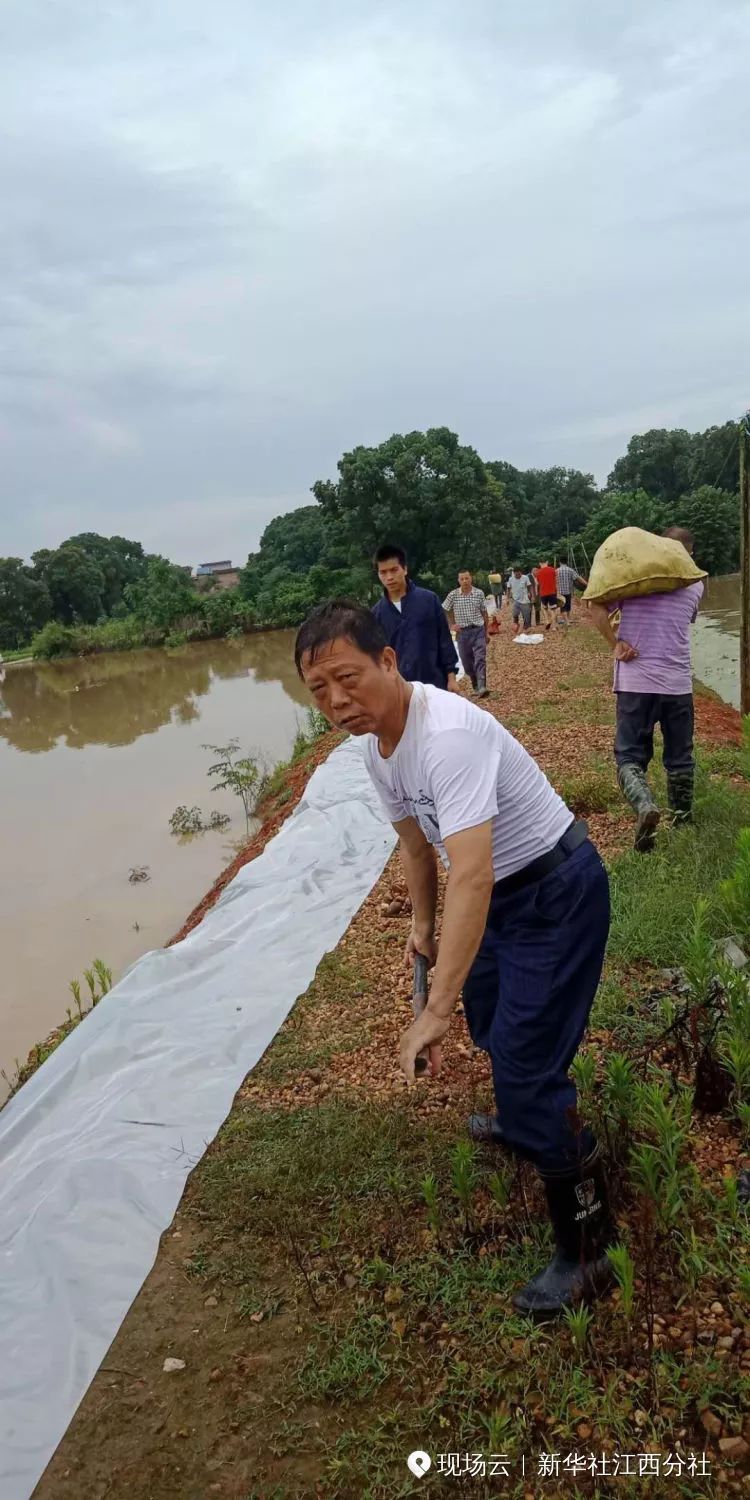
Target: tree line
<point>449,508</point>
<point>427,491</point>
<point>97,593</point>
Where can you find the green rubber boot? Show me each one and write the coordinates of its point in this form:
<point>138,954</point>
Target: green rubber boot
<point>680,786</point>
<point>635,788</point>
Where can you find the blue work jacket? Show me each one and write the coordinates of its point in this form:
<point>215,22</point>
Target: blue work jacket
<point>420,635</point>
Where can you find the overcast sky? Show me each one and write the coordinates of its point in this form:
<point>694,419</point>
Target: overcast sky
<point>239,238</point>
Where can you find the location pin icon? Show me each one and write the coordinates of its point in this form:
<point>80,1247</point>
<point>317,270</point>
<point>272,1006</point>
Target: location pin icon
<point>419,1462</point>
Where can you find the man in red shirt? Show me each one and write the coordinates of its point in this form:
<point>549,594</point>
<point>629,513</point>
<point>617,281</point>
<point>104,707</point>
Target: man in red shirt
<point>546,578</point>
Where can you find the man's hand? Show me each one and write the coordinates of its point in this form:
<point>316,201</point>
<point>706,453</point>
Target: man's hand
<point>625,652</point>
<point>423,943</point>
<point>452,683</point>
<point>427,1031</point>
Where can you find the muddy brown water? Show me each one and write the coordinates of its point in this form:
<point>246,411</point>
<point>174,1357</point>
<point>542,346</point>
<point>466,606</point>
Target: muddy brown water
<point>716,638</point>
<point>94,757</point>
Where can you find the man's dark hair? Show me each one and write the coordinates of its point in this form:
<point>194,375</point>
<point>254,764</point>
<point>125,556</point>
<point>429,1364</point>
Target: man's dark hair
<point>337,619</point>
<point>389,550</point>
<point>681,534</point>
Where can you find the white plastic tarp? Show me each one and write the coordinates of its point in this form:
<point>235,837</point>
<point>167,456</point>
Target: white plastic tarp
<point>96,1147</point>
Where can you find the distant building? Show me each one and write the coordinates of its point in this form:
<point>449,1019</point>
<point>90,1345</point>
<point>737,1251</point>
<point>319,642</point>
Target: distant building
<point>222,574</point>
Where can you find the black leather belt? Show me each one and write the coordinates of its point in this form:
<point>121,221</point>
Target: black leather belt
<point>571,840</point>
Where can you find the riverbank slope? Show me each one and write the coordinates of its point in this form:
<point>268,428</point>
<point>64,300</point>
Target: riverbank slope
<point>337,1280</point>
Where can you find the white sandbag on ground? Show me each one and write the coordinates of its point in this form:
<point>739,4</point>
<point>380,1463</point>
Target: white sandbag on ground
<point>96,1147</point>
<point>528,640</point>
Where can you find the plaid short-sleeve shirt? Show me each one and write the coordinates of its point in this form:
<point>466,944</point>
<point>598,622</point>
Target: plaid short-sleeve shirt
<point>467,609</point>
<point>566,578</point>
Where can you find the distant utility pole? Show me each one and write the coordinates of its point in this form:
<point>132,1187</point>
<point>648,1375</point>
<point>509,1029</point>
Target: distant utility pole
<point>744,436</point>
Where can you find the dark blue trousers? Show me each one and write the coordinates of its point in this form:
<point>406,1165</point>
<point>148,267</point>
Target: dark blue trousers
<point>527,1000</point>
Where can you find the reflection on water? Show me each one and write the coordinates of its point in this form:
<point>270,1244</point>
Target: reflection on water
<point>114,699</point>
<point>94,757</point>
<point>716,638</point>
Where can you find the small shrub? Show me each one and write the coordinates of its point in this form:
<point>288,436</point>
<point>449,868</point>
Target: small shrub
<point>55,640</point>
<point>246,776</point>
<point>186,820</point>
<point>735,892</point>
<point>314,726</point>
<point>464,1177</point>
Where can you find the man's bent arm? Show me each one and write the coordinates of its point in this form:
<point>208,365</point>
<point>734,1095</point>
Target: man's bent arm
<point>622,649</point>
<point>600,617</point>
<point>467,900</point>
<point>420,869</point>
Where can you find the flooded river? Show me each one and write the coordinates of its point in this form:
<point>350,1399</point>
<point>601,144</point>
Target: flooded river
<point>94,757</point>
<point>716,639</point>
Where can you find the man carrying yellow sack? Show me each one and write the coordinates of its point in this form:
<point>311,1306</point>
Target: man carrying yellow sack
<point>654,685</point>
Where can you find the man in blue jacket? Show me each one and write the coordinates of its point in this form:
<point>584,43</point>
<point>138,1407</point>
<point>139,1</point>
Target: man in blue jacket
<point>414,623</point>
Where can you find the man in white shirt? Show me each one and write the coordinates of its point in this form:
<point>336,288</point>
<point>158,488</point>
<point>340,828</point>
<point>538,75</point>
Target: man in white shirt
<point>525,919</point>
<point>519,592</point>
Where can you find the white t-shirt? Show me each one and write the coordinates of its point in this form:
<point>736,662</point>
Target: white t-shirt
<point>455,767</point>
<point>519,588</point>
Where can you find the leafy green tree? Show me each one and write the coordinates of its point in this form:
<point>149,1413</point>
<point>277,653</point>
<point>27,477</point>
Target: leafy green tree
<point>285,598</point>
<point>226,611</point>
<point>25,603</point>
<point>658,461</point>
<point>618,508</point>
<point>558,503</point>
<point>296,540</point>
<point>713,516</point>
<point>514,490</point>
<point>74,581</point>
<point>120,560</point>
<point>165,596</point>
<point>715,458</point>
<point>425,490</point>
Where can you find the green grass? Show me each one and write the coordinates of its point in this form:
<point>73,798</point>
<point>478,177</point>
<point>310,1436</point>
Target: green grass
<point>581,681</point>
<point>409,1341</point>
<point>338,985</point>
<point>592,790</point>
<point>17,654</point>
<point>653,896</point>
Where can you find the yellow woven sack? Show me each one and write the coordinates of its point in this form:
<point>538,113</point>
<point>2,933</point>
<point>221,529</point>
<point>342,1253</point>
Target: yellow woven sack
<point>633,562</point>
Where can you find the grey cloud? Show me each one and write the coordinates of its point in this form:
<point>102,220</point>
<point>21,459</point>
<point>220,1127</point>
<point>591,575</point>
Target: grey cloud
<point>238,240</point>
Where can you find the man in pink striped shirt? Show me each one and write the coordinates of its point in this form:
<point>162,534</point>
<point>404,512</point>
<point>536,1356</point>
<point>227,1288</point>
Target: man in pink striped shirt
<point>654,685</point>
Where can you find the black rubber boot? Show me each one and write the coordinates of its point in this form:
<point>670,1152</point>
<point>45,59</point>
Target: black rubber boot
<point>579,1270</point>
<point>482,687</point>
<point>487,1129</point>
<point>680,786</point>
<point>634,786</point>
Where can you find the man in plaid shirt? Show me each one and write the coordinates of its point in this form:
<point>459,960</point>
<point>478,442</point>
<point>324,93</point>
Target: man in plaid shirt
<point>567,580</point>
<point>466,607</point>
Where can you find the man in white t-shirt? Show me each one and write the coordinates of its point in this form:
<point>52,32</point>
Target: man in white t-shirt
<point>524,925</point>
<point>519,592</point>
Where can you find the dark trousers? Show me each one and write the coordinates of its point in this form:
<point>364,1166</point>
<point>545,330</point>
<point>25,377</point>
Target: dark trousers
<point>527,1001</point>
<point>472,649</point>
<point>637,717</point>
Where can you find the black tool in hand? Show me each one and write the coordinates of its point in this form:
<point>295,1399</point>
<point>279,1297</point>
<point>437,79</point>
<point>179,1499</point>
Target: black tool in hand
<point>418,1002</point>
